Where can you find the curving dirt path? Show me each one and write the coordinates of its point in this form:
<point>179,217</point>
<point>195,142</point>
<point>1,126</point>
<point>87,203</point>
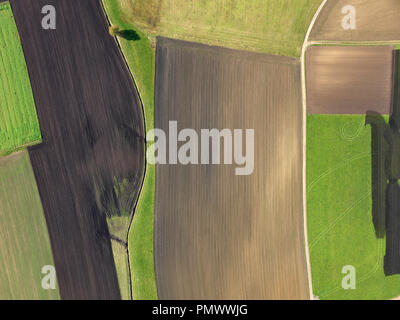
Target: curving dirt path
<point>304,48</point>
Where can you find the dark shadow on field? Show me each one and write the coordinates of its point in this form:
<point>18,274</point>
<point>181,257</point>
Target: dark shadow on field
<point>385,145</point>
<point>131,35</point>
<point>392,256</point>
<point>379,149</point>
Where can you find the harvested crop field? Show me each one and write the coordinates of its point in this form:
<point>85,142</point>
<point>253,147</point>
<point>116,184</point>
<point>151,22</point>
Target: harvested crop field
<point>90,165</point>
<point>273,26</point>
<point>25,245</point>
<point>19,125</point>
<point>349,80</point>
<point>219,235</point>
<point>375,20</point>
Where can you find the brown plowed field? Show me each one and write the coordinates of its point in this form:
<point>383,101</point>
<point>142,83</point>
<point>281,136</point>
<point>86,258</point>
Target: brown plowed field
<point>91,161</point>
<point>218,235</point>
<point>349,80</point>
<point>375,20</point>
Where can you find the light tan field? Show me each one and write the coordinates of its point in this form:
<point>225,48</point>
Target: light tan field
<point>219,235</point>
<point>375,20</point>
<point>121,263</point>
<point>25,245</point>
<point>269,26</point>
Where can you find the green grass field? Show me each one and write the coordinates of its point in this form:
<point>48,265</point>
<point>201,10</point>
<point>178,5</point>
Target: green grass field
<point>25,245</point>
<point>140,57</point>
<point>19,125</point>
<point>339,210</point>
<point>141,242</point>
<point>270,26</point>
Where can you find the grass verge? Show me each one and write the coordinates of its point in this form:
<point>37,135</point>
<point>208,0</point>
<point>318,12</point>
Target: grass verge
<point>121,266</point>
<point>140,56</point>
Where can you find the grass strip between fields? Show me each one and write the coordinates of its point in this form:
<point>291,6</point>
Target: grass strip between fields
<point>140,56</point>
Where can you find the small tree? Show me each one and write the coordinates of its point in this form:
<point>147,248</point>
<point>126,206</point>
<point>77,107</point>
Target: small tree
<point>114,31</point>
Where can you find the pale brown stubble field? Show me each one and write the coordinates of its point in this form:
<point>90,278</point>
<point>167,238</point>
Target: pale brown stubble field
<point>375,20</point>
<point>25,245</point>
<point>218,235</point>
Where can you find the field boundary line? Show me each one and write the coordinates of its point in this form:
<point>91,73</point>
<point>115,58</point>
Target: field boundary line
<point>353,42</point>
<point>304,106</point>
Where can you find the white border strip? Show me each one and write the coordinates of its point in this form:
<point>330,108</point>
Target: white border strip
<point>304,105</point>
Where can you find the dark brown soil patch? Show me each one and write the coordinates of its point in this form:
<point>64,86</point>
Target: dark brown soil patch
<point>218,235</point>
<point>349,79</point>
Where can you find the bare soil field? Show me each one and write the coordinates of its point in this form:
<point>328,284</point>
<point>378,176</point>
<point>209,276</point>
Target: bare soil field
<point>90,164</point>
<point>375,20</point>
<point>349,80</point>
<point>218,235</point>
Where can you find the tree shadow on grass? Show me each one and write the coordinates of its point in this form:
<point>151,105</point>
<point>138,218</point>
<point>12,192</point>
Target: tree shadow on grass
<point>130,35</point>
<point>385,147</point>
